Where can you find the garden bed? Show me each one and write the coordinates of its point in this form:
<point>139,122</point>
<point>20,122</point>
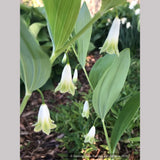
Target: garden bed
<point>39,146</point>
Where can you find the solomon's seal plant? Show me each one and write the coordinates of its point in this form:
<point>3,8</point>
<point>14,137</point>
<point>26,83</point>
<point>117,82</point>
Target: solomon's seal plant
<point>70,26</point>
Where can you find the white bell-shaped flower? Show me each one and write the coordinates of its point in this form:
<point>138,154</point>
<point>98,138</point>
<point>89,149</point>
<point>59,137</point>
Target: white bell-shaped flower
<point>66,84</point>
<point>111,43</point>
<point>85,112</point>
<point>75,76</point>
<point>44,121</point>
<point>89,138</point>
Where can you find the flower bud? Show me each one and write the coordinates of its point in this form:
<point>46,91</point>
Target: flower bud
<point>85,112</point>
<point>64,59</point>
<point>75,76</point>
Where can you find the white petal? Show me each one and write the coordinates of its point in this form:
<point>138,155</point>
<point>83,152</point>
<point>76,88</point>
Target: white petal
<point>43,112</point>
<point>66,73</point>
<point>114,31</point>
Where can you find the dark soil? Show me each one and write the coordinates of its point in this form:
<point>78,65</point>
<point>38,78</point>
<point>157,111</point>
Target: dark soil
<point>39,146</point>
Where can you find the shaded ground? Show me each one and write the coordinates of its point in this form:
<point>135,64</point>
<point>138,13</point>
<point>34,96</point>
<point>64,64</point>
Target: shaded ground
<point>39,146</point>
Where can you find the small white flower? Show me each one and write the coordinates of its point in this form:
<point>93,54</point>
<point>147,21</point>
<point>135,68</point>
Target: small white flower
<point>44,121</point>
<point>128,25</point>
<point>111,43</point>
<point>85,112</point>
<point>64,59</point>
<point>89,138</point>
<point>66,83</point>
<point>137,11</point>
<point>133,4</point>
<point>75,76</point>
<point>123,20</point>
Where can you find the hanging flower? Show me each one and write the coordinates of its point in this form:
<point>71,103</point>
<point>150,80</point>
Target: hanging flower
<point>111,43</point>
<point>75,76</point>
<point>44,121</point>
<point>66,83</point>
<point>89,138</point>
<point>64,59</point>
<point>85,112</point>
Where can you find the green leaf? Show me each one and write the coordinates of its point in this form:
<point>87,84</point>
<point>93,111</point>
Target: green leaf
<point>61,16</point>
<point>35,28</point>
<point>35,64</point>
<point>84,40</point>
<point>103,64</point>
<point>111,83</point>
<point>125,117</point>
<point>105,147</point>
<point>135,139</point>
<point>107,4</point>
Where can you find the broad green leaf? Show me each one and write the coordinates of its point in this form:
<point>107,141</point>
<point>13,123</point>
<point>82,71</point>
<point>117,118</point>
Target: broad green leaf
<point>103,64</point>
<point>124,118</point>
<point>111,83</point>
<point>35,28</point>
<point>61,16</point>
<point>34,63</point>
<point>107,4</point>
<point>84,40</point>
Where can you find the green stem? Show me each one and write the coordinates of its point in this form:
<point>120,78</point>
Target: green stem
<point>24,102</point>
<point>83,69</point>
<point>53,57</point>
<point>87,77</point>
<point>107,138</point>
<point>59,51</point>
<point>41,95</point>
<point>95,121</point>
